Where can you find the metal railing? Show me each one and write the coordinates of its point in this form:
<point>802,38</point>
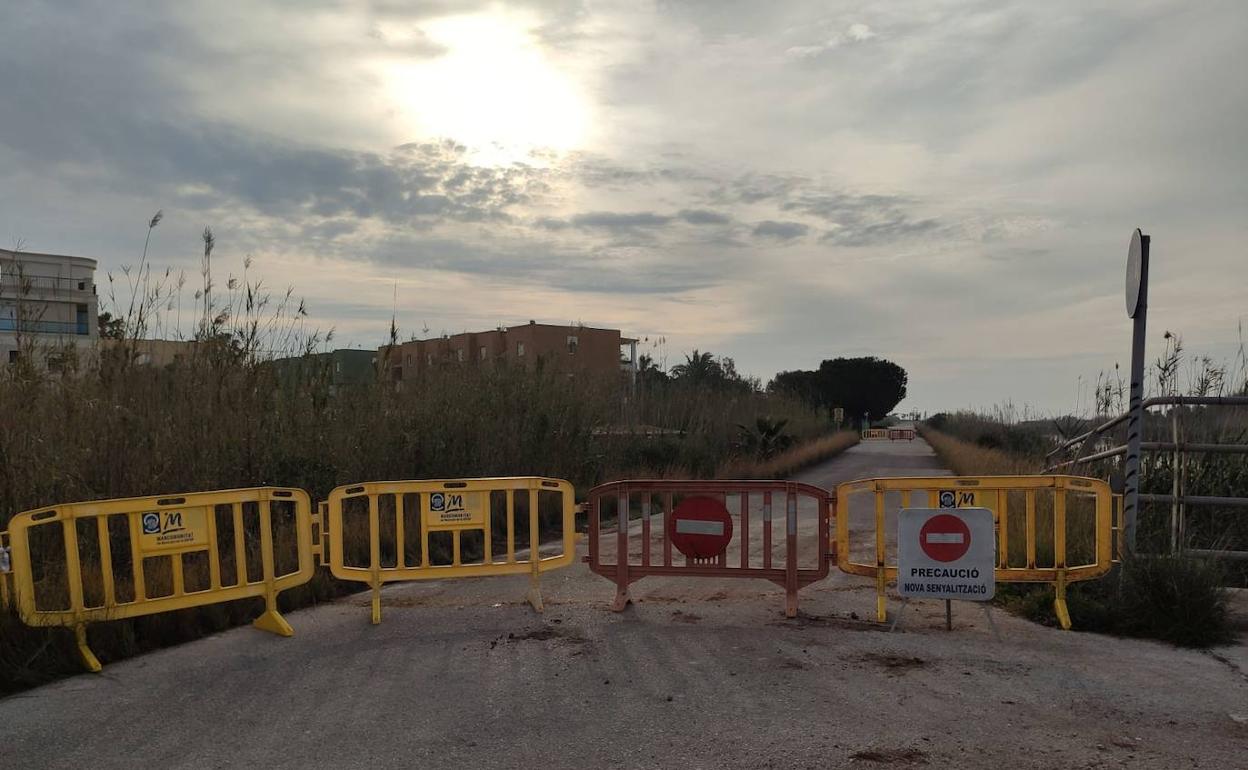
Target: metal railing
<point>1079,450</point>
<point>44,327</point>
<point>26,283</point>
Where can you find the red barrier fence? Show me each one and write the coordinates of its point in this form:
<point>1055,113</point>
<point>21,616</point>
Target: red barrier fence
<point>906,434</point>
<point>718,529</point>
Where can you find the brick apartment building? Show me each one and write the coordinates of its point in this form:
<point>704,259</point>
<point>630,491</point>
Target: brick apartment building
<point>571,348</point>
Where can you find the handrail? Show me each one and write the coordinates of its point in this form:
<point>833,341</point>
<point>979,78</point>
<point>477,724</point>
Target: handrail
<point>1149,403</point>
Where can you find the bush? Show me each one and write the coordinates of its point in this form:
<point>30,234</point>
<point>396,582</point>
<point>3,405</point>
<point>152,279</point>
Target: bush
<point>1173,599</point>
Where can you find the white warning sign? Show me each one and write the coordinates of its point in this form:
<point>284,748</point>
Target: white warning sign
<point>946,553</point>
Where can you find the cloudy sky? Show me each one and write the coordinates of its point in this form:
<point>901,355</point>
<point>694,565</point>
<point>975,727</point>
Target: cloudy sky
<point>951,185</point>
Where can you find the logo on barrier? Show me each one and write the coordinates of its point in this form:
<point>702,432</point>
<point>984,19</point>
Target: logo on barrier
<point>455,509</point>
<point>701,527</point>
<point>950,498</point>
<point>169,530</point>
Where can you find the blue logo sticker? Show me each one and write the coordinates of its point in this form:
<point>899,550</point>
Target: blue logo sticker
<point>437,501</point>
<point>151,523</point>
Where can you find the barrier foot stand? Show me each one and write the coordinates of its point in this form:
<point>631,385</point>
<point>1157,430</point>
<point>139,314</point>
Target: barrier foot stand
<point>991,623</point>
<point>88,658</point>
<point>1059,602</point>
<point>376,602</point>
<point>897,618</point>
<point>271,620</point>
<point>622,600</point>
<point>534,595</point>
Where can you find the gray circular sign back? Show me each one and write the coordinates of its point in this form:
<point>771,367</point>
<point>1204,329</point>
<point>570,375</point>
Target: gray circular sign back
<point>1135,267</point>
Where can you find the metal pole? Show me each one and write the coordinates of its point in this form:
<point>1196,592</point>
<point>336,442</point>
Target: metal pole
<point>1135,423</point>
<point>1174,482</point>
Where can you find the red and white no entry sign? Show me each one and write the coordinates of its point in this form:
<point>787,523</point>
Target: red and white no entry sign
<point>700,527</point>
<point>945,538</point>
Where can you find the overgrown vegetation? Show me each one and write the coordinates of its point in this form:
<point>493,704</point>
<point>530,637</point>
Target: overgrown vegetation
<point>1161,593</point>
<point>223,415</point>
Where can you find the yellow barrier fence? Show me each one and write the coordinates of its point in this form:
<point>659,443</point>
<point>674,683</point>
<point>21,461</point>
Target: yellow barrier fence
<point>872,434</point>
<point>386,531</point>
<point>1050,529</point>
<point>82,563</point>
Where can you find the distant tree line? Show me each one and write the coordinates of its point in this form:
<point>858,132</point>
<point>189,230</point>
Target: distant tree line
<point>867,386</point>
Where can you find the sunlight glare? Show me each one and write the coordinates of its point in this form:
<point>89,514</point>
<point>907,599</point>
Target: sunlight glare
<point>494,91</point>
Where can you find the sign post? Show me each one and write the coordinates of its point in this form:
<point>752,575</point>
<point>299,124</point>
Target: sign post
<point>1137,309</point>
<point>946,553</point>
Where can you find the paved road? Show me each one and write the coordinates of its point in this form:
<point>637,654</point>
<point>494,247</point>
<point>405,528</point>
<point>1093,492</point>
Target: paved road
<point>463,674</point>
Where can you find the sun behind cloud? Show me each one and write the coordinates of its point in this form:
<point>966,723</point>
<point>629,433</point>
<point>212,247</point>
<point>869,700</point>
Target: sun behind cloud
<point>494,90</point>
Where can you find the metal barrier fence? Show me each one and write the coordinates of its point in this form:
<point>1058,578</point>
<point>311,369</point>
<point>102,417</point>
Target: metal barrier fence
<point>904,434</point>
<point>1052,554</point>
<point>696,518</point>
<point>462,515</point>
<point>1185,416</point>
<point>144,555</point>
<point>871,434</point>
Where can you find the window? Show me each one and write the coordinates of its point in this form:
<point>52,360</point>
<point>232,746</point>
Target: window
<point>428,359</point>
<point>82,286</point>
<point>409,359</point>
<point>459,354</point>
<point>519,350</point>
<point>572,343</point>
<point>12,356</point>
<point>482,353</point>
<point>83,328</point>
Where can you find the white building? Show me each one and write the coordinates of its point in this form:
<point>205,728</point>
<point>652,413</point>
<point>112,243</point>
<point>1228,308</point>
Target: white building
<point>47,302</point>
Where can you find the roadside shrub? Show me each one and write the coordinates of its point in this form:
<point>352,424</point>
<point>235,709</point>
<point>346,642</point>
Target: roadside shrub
<point>1173,599</point>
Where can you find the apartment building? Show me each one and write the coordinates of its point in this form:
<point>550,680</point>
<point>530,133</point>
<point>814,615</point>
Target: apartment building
<point>576,349</point>
<point>47,301</point>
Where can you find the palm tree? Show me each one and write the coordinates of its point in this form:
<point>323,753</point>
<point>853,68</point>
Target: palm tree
<point>698,368</point>
<point>765,440</point>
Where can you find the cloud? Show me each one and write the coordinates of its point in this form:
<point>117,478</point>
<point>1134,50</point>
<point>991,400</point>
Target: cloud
<point>704,217</point>
<point>610,220</point>
<point>924,152</point>
<point>862,220</point>
<point>855,33</point>
<point>784,231</point>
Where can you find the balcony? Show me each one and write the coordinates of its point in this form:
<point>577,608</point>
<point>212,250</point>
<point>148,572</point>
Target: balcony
<point>45,327</point>
<point>44,285</point>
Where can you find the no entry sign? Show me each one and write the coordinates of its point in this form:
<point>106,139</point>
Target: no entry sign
<point>945,537</point>
<point>700,527</point>
<point>946,554</point>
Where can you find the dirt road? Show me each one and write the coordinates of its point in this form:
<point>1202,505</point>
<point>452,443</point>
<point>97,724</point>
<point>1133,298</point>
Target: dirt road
<point>694,675</point>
